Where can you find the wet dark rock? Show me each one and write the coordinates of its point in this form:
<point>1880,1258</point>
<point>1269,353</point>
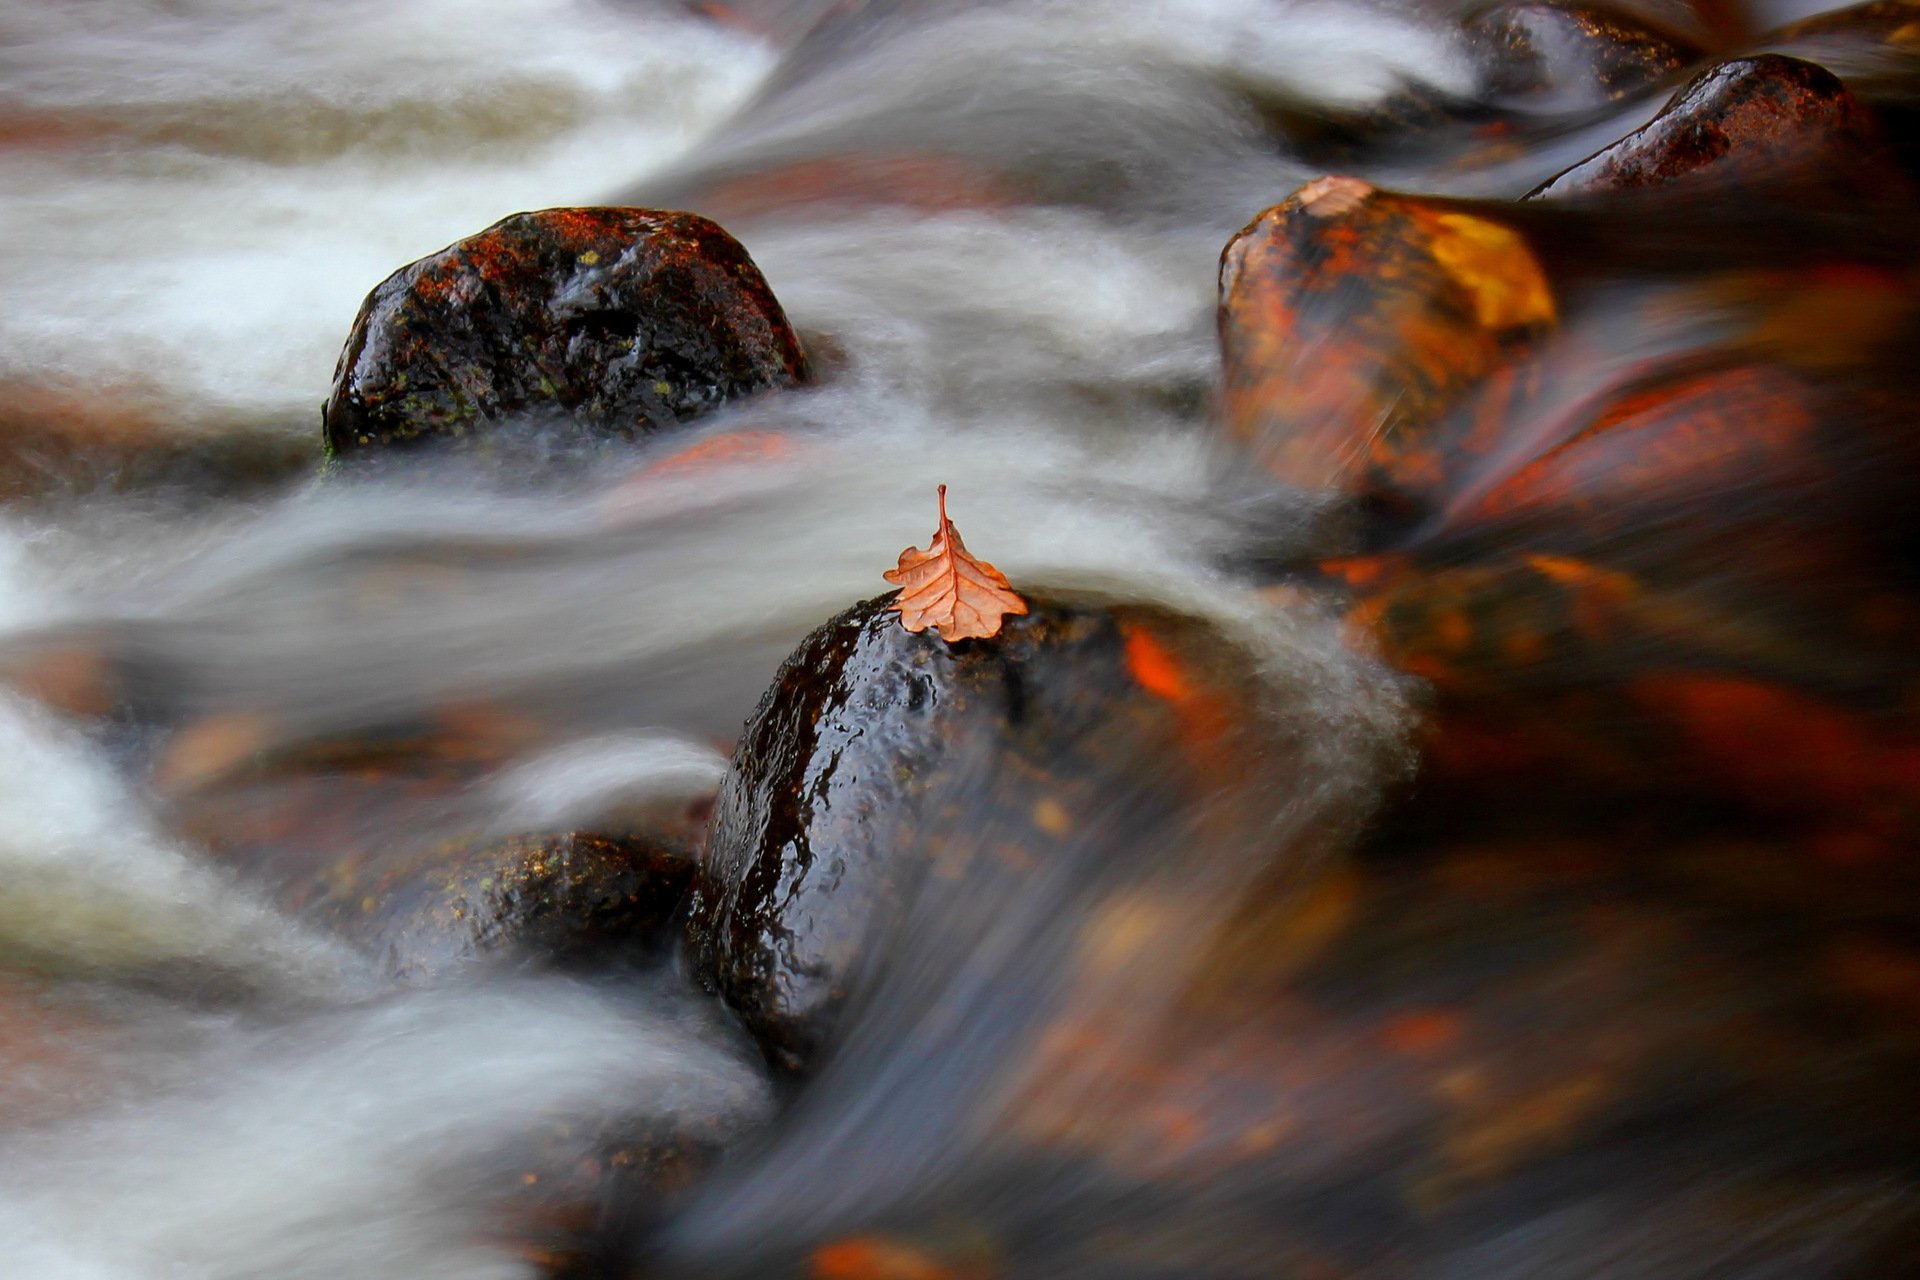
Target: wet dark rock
<point>1744,120</point>
<point>1569,57</point>
<point>622,321</point>
<point>426,910</point>
<point>879,755</point>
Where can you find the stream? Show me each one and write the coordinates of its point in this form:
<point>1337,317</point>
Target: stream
<point>1009,289</point>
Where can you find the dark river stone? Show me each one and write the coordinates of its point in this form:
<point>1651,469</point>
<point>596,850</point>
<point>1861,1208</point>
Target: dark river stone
<point>1542,55</point>
<point>1744,119</point>
<point>879,754</point>
<point>623,321</point>
<point>563,897</point>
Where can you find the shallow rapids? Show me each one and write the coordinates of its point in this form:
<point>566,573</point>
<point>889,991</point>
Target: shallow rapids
<point>194,199</point>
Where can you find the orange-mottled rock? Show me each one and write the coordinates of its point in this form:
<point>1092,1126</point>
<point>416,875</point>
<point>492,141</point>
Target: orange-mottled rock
<point>1352,319</point>
<point>1745,120</point>
<point>616,322</point>
<point>1719,433</point>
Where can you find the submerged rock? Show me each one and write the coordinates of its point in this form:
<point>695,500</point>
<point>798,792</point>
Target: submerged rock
<point>623,321</point>
<point>1352,319</point>
<point>1544,55</point>
<point>551,897</point>
<point>1746,119</point>
<point>881,756</point>
<point>349,855</point>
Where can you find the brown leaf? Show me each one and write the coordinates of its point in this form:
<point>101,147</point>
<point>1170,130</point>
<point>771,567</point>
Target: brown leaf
<point>945,588</point>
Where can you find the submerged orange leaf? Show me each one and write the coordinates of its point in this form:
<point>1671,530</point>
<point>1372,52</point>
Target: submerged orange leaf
<point>947,589</point>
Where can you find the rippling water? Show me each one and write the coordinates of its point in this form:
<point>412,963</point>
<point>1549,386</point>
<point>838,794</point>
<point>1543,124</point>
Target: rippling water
<point>194,198</point>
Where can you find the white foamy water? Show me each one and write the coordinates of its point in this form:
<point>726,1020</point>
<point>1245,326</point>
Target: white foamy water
<point>376,1142</point>
<point>221,183</point>
<point>195,195</point>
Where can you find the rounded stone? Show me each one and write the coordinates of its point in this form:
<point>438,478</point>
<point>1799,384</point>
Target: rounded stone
<point>620,322</point>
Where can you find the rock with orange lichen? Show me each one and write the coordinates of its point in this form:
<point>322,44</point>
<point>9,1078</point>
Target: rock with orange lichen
<point>881,756</point>
<point>1762,118</point>
<point>1353,319</point>
<point>619,322</point>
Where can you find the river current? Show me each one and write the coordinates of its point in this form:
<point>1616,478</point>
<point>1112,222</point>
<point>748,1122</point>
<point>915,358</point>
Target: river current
<point>195,195</point>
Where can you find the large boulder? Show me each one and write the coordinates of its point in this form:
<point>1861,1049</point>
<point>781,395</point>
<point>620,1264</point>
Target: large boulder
<point>880,757</point>
<point>623,322</point>
<point>1353,320</point>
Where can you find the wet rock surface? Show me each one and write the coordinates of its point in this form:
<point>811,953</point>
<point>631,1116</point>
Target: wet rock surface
<point>1744,120</point>
<point>366,840</point>
<point>1352,319</point>
<point>622,322</point>
<point>1546,56</point>
<point>880,757</point>
<point>571,896</point>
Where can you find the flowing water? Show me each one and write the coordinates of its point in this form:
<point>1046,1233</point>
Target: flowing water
<point>194,197</point>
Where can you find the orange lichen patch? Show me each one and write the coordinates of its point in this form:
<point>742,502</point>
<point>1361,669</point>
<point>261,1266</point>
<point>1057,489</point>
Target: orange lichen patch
<point>1352,320</point>
<point>881,1258</point>
<point>1362,572</point>
<point>929,183</point>
<point>1714,433</point>
<point>1495,269</point>
<point>1156,670</point>
<point>1782,748</point>
<point>1207,714</point>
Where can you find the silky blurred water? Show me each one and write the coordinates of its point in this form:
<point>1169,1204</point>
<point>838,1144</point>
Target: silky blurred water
<point>194,198</point>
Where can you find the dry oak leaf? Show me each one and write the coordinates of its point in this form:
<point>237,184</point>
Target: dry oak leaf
<point>945,588</point>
